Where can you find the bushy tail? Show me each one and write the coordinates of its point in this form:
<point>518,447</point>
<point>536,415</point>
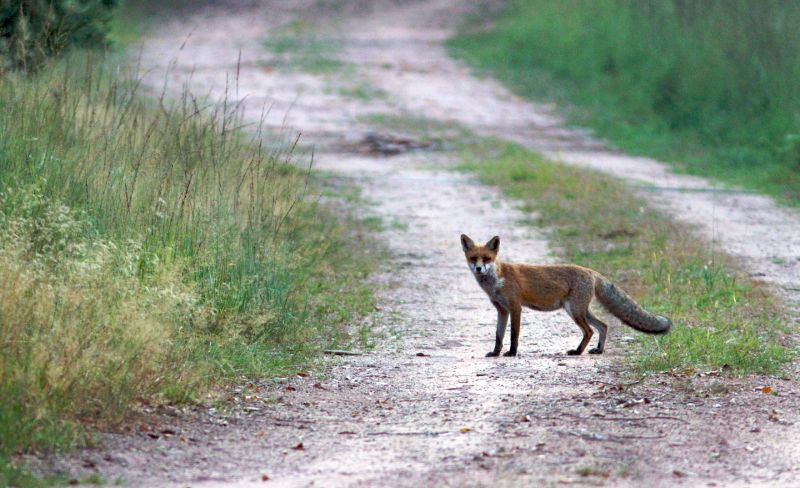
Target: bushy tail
<point>629,312</point>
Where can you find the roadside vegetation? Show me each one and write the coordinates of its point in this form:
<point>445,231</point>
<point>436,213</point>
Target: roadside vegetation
<point>721,318</point>
<point>709,85</point>
<point>153,250</point>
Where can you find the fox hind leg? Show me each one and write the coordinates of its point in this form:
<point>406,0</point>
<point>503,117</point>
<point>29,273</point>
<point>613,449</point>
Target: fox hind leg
<point>602,329</point>
<point>579,316</point>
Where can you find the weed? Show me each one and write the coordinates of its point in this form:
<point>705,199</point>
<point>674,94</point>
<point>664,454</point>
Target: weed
<point>593,469</point>
<point>361,90</point>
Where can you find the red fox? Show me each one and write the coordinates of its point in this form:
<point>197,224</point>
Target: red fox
<point>551,287</point>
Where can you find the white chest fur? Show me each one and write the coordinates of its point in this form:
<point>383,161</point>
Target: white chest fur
<point>490,282</point>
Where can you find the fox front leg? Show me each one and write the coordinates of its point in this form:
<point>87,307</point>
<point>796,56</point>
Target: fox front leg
<point>516,319</point>
<point>502,320</point>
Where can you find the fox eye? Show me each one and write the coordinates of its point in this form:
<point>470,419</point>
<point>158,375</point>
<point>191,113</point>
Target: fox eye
<point>473,260</point>
<point>488,260</point>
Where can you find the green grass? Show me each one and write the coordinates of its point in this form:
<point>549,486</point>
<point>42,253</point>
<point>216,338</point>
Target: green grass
<point>152,250</point>
<point>721,318</point>
<point>710,86</point>
<point>19,477</point>
<point>299,46</point>
<point>361,90</point>
<point>303,47</point>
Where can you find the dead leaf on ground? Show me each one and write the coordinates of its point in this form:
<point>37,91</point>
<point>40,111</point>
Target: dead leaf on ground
<point>464,430</point>
<point>264,477</point>
<point>299,447</point>
<point>423,355</point>
<point>766,390</point>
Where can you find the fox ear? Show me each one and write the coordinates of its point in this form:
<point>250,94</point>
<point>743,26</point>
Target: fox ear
<point>466,243</point>
<point>493,244</point>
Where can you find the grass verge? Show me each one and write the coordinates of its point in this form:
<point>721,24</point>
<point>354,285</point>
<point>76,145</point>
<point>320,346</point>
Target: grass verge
<point>150,251</point>
<point>710,86</point>
<point>300,46</point>
<point>303,47</point>
<point>721,318</point>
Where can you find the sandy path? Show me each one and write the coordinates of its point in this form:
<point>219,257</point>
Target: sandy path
<point>751,227</point>
<point>449,417</point>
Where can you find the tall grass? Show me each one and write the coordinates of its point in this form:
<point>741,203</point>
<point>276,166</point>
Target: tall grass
<point>709,83</point>
<point>150,248</point>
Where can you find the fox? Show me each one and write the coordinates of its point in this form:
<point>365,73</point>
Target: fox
<point>547,288</point>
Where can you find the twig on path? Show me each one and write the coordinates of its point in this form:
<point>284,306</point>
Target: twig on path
<point>621,419</point>
<point>432,434</point>
<point>341,352</point>
<point>292,422</point>
<point>644,437</point>
<point>592,436</point>
<point>630,419</point>
<point>621,385</point>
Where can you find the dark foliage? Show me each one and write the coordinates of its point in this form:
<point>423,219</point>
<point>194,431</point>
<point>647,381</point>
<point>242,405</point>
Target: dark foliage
<point>34,30</point>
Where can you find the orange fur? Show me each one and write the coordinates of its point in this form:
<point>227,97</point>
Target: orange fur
<point>552,287</point>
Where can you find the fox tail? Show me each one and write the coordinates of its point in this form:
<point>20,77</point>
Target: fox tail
<point>628,311</point>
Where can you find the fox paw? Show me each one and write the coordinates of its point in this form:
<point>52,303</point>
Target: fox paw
<point>510,353</point>
<point>492,354</point>
<point>573,352</point>
<point>596,350</point>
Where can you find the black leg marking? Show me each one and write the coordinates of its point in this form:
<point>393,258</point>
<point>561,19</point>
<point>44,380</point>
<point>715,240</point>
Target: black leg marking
<point>500,332</point>
<point>602,329</point>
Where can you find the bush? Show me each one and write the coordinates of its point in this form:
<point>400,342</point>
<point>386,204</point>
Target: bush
<point>33,30</point>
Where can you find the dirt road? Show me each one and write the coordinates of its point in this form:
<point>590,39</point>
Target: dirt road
<point>428,409</point>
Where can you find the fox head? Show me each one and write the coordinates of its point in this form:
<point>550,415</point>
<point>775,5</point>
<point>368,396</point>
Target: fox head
<point>481,259</point>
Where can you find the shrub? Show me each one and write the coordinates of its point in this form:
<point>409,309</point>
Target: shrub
<point>33,30</point>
